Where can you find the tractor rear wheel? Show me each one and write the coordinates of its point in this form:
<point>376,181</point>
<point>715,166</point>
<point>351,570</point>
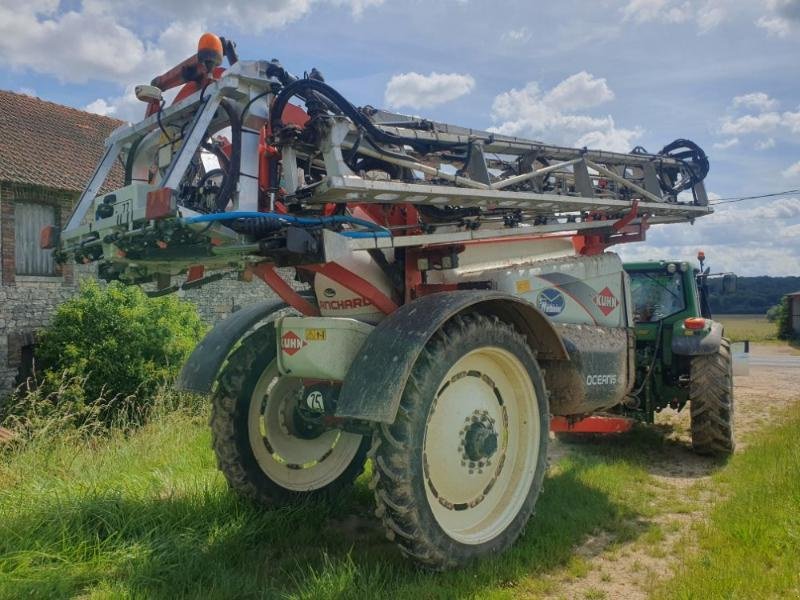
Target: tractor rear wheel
<point>711,401</point>
<point>457,475</point>
<point>266,446</point>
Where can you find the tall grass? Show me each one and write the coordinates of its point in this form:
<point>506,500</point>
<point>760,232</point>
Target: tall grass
<point>141,512</point>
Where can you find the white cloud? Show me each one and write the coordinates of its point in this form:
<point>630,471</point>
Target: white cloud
<point>793,171</point>
<point>705,15</point>
<point>126,106</point>
<point>91,44</point>
<point>533,113</point>
<point>415,90</point>
<point>726,144</point>
<point>245,15</point>
<point>763,123</point>
<point>775,26</point>
<point>792,232</point>
<point>581,90</point>
<point>666,11</point>
<point>733,238</point>
<point>27,91</point>
<point>782,19</point>
<point>757,100</point>
<point>765,144</point>
<point>93,39</point>
<point>100,107</point>
<point>516,36</point>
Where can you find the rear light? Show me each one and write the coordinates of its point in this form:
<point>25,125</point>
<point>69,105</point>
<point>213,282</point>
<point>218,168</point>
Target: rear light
<point>160,204</point>
<point>694,323</point>
<point>48,237</point>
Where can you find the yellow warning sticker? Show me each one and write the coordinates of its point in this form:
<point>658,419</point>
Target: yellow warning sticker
<point>523,285</point>
<point>315,335</point>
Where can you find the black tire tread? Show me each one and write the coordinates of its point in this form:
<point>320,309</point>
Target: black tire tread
<point>398,505</point>
<point>711,402</point>
<point>230,444</point>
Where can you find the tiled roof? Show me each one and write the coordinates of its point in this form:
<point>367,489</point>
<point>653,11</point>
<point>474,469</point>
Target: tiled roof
<point>50,145</point>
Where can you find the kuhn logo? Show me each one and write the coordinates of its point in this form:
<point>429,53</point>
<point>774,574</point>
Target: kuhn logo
<point>606,301</point>
<point>551,302</point>
<point>291,343</point>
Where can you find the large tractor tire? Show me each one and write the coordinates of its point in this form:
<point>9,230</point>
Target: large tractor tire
<point>267,450</point>
<point>457,475</point>
<point>711,402</point>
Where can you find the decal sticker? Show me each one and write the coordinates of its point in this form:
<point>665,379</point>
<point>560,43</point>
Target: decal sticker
<point>291,343</point>
<point>601,380</point>
<point>315,335</point>
<point>315,401</point>
<point>523,286</point>
<point>606,301</point>
<point>344,304</point>
<point>551,302</point>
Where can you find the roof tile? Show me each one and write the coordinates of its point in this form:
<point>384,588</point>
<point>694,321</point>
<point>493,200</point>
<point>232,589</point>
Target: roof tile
<point>47,144</point>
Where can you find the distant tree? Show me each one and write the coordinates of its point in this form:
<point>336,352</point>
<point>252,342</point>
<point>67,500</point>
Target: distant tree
<point>775,313</point>
<point>754,295</point>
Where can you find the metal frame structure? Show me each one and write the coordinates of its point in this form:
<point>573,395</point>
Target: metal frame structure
<point>477,185</point>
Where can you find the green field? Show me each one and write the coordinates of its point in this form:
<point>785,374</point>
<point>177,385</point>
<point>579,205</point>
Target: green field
<point>755,328</point>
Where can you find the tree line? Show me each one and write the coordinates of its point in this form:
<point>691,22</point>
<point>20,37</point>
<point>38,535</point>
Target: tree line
<point>754,295</point>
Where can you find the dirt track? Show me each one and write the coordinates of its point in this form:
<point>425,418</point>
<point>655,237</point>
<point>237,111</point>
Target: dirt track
<point>629,570</point>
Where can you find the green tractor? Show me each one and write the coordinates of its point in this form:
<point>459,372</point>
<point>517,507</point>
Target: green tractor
<point>682,356</point>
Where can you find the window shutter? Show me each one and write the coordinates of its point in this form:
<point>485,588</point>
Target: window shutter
<point>29,219</point>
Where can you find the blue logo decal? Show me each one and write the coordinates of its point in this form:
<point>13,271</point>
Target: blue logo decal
<point>551,302</point>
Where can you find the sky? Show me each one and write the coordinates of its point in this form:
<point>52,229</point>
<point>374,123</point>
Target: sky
<point>608,74</point>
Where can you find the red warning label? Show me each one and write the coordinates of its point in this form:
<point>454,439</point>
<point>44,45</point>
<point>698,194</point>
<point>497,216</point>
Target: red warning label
<point>291,343</point>
<point>606,301</point>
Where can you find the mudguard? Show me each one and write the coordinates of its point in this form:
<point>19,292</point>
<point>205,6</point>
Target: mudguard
<point>377,377</point>
<point>200,370</point>
<point>697,345</point>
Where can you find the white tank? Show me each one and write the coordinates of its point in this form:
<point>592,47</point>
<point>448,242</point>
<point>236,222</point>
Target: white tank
<point>335,300</point>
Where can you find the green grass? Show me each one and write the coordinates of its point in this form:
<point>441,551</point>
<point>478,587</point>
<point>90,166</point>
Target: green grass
<point>146,515</point>
<point>755,328</point>
<point>750,547</point>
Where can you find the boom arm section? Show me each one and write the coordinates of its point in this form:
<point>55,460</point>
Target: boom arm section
<point>233,174</point>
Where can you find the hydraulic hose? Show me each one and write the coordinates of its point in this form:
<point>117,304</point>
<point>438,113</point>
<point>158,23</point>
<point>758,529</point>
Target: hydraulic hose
<point>361,120</point>
<point>694,160</point>
<point>232,176</point>
<point>277,220</point>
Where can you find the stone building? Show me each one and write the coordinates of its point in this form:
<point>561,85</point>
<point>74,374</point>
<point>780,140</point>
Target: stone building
<point>47,154</point>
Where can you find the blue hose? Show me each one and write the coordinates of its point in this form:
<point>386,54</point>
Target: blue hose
<point>376,230</point>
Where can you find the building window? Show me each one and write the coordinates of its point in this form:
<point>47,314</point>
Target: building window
<point>29,219</point>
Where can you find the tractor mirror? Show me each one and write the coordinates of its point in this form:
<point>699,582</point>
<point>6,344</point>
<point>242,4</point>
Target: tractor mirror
<point>729,283</point>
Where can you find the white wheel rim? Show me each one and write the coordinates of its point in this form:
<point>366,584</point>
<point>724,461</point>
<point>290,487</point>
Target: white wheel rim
<point>294,463</point>
<point>474,501</point>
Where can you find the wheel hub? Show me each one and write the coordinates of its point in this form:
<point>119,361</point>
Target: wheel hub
<point>480,442</point>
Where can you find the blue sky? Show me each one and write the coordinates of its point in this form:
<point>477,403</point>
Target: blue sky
<point>602,73</point>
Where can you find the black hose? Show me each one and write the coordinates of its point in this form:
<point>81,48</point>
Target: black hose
<point>296,88</point>
<point>695,163</point>
<point>232,176</point>
<point>129,160</point>
<point>257,228</point>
